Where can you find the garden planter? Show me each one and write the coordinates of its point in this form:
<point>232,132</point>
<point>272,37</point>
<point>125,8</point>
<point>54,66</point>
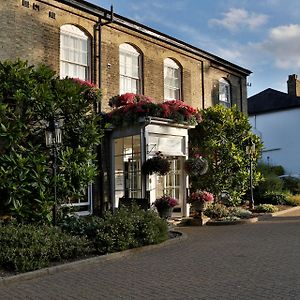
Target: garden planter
<point>199,208</point>
<point>165,213</point>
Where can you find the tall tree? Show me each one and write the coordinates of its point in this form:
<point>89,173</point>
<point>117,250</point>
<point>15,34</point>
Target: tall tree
<point>221,138</point>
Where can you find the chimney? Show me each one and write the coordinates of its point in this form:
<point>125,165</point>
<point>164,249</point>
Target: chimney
<point>293,85</point>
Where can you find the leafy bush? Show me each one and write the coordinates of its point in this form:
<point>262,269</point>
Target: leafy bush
<point>216,211</point>
<point>270,183</point>
<point>274,198</point>
<point>240,212</point>
<point>221,138</point>
<point>29,99</point>
<point>293,200</point>
<point>125,229</point>
<point>266,169</point>
<point>266,208</point>
<point>291,184</point>
<point>30,247</point>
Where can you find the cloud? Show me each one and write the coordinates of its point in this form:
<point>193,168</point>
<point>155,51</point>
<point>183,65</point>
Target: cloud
<point>236,19</point>
<point>283,44</point>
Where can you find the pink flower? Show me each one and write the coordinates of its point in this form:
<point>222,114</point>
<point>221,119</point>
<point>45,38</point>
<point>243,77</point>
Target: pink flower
<point>165,201</point>
<point>84,82</point>
<point>201,196</point>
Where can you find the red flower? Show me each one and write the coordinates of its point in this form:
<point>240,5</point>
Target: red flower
<point>127,98</point>
<point>165,110</point>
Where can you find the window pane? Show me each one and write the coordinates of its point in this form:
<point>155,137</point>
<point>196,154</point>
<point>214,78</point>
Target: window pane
<point>224,93</point>
<point>74,52</point>
<point>172,82</point>
<point>128,145</point>
<point>129,70</point>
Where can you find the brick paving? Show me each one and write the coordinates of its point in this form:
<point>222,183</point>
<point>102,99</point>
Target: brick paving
<point>255,261</point>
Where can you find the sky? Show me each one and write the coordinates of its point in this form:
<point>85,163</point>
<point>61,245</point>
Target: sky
<point>260,35</point>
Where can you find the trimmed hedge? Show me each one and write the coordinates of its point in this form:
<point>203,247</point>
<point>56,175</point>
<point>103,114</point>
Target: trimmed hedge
<point>275,198</point>
<point>29,247</point>
<point>25,248</point>
<point>126,228</point>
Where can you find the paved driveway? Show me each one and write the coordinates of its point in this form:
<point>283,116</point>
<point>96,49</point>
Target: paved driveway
<point>255,261</point>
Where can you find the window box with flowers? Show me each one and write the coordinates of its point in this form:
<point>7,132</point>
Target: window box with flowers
<point>130,108</point>
<point>165,205</point>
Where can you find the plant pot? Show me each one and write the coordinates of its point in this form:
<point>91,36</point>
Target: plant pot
<point>165,213</point>
<point>198,207</point>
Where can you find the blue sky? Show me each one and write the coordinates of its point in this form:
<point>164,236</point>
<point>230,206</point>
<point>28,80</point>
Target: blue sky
<point>260,35</point>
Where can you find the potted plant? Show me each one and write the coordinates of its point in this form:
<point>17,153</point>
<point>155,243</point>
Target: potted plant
<point>195,166</point>
<point>157,164</point>
<point>164,206</point>
<point>199,200</point>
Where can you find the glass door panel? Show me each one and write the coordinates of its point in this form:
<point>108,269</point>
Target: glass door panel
<point>170,184</point>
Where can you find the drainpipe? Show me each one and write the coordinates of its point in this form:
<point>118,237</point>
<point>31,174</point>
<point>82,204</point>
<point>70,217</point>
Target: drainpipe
<point>241,94</point>
<point>202,84</point>
<point>100,150</point>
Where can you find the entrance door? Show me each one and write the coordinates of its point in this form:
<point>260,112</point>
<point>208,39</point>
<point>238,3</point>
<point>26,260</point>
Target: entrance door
<point>172,183</point>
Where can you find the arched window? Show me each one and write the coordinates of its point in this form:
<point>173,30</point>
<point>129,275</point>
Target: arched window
<point>224,93</point>
<point>172,80</point>
<point>130,70</point>
<point>74,53</point>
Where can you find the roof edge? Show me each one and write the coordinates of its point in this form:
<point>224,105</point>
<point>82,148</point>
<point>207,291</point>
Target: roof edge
<point>120,20</point>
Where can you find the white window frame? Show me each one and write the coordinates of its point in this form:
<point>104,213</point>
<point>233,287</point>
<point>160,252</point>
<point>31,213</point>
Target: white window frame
<point>130,73</point>
<point>224,93</point>
<point>75,61</point>
<point>172,85</point>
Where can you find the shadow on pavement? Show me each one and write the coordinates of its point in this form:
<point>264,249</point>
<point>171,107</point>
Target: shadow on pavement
<point>279,218</point>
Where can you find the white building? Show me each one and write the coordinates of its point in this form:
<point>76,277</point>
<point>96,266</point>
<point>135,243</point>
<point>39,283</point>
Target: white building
<point>275,117</point>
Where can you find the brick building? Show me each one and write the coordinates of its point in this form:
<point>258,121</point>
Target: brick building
<point>79,39</point>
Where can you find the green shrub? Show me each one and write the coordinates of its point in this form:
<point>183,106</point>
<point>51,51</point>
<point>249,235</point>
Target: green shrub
<point>291,184</point>
<point>270,183</point>
<point>126,228</point>
<point>216,211</point>
<point>240,212</point>
<point>293,200</point>
<point>30,247</point>
<point>266,208</point>
<point>266,169</point>
<point>30,98</point>
<point>274,198</point>
<point>221,137</point>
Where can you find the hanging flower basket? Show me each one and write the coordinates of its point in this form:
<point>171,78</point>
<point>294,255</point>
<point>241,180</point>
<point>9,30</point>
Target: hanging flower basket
<point>196,166</point>
<point>157,164</point>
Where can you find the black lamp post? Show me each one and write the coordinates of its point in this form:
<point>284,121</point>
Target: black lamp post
<point>53,138</point>
<point>250,150</point>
